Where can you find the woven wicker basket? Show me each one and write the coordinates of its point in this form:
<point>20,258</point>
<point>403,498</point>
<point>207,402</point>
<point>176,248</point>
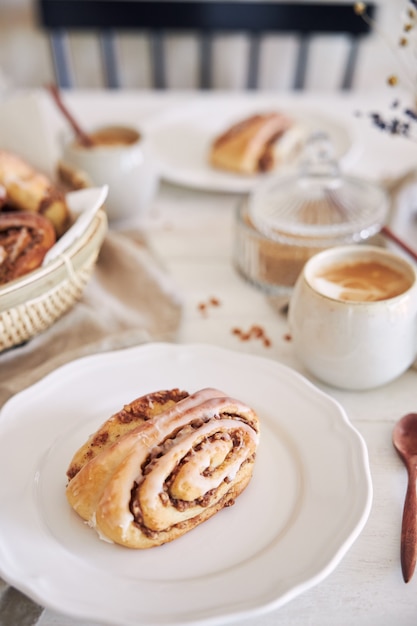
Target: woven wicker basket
<point>31,304</point>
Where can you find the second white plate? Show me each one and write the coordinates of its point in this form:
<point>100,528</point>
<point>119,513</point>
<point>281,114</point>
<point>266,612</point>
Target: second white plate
<point>308,500</point>
<point>181,139</point>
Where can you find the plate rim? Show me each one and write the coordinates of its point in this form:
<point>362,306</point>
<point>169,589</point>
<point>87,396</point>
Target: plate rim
<point>290,594</point>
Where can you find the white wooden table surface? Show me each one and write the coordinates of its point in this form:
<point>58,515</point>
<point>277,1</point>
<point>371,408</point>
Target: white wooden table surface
<point>192,231</point>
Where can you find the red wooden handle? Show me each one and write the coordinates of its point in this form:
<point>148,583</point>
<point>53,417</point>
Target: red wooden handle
<point>83,138</point>
<point>409,527</point>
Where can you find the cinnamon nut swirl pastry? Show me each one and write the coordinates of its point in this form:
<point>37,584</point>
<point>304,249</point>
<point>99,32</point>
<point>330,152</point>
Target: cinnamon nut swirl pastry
<point>156,477</point>
<point>256,144</point>
<point>25,238</point>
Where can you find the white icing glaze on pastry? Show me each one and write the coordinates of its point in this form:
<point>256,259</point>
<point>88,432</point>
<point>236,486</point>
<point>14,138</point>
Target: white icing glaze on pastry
<point>170,473</point>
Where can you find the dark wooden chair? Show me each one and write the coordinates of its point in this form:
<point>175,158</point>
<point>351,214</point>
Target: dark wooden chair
<point>108,18</point>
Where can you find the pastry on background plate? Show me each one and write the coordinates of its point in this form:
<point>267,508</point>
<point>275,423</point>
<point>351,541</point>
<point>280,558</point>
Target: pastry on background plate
<point>256,144</point>
<point>162,465</point>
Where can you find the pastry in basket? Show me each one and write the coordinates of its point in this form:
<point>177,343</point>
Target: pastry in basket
<point>256,144</point>
<point>162,465</point>
<point>25,238</point>
<point>29,190</point>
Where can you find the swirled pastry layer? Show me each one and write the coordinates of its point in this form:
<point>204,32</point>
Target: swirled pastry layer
<point>155,480</point>
<point>256,144</point>
<point>25,238</point>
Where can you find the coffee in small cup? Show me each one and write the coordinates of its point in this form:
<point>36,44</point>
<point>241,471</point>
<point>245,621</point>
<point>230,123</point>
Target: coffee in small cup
<point>353,316</point>
<point>112,136</point>
<point>361,281</point>
<point>120,157</point>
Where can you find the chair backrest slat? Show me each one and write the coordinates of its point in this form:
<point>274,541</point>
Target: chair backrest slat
<point>254,61</point>
<point>205,60</point>
<point>61,56</point>
<point>302,62</point>
<point>156,44</point>
<point>351,64</point>
<point>111,64</point>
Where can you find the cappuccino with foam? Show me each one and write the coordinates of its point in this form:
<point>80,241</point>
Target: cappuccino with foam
<point>365,280</point>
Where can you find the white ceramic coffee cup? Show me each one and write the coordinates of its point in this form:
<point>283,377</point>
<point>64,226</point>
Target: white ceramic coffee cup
<point>353,344</point>
<point>127,167</point>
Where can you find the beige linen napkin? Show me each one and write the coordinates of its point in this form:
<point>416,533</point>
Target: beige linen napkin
<point>129,300</point>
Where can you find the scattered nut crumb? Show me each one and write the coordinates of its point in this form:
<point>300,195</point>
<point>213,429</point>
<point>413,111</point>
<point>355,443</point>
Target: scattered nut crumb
<point>254,332</point>
<point>203,306</point>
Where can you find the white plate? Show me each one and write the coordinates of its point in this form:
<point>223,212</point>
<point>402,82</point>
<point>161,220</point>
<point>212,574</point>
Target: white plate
<point>181,139</point>
<point>308,500</point>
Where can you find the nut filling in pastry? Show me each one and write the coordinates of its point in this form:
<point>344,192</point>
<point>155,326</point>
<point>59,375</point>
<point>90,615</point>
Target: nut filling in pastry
<point>148,481</point>
<point>25,238</point>
<point>256,144</point>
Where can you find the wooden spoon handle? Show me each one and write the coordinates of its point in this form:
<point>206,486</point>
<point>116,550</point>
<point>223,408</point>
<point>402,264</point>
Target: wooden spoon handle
<point>83,138</point>
<point>409,527</point>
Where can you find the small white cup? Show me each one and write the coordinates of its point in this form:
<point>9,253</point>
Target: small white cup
<point>345,339</point>
<point>122,160</point>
